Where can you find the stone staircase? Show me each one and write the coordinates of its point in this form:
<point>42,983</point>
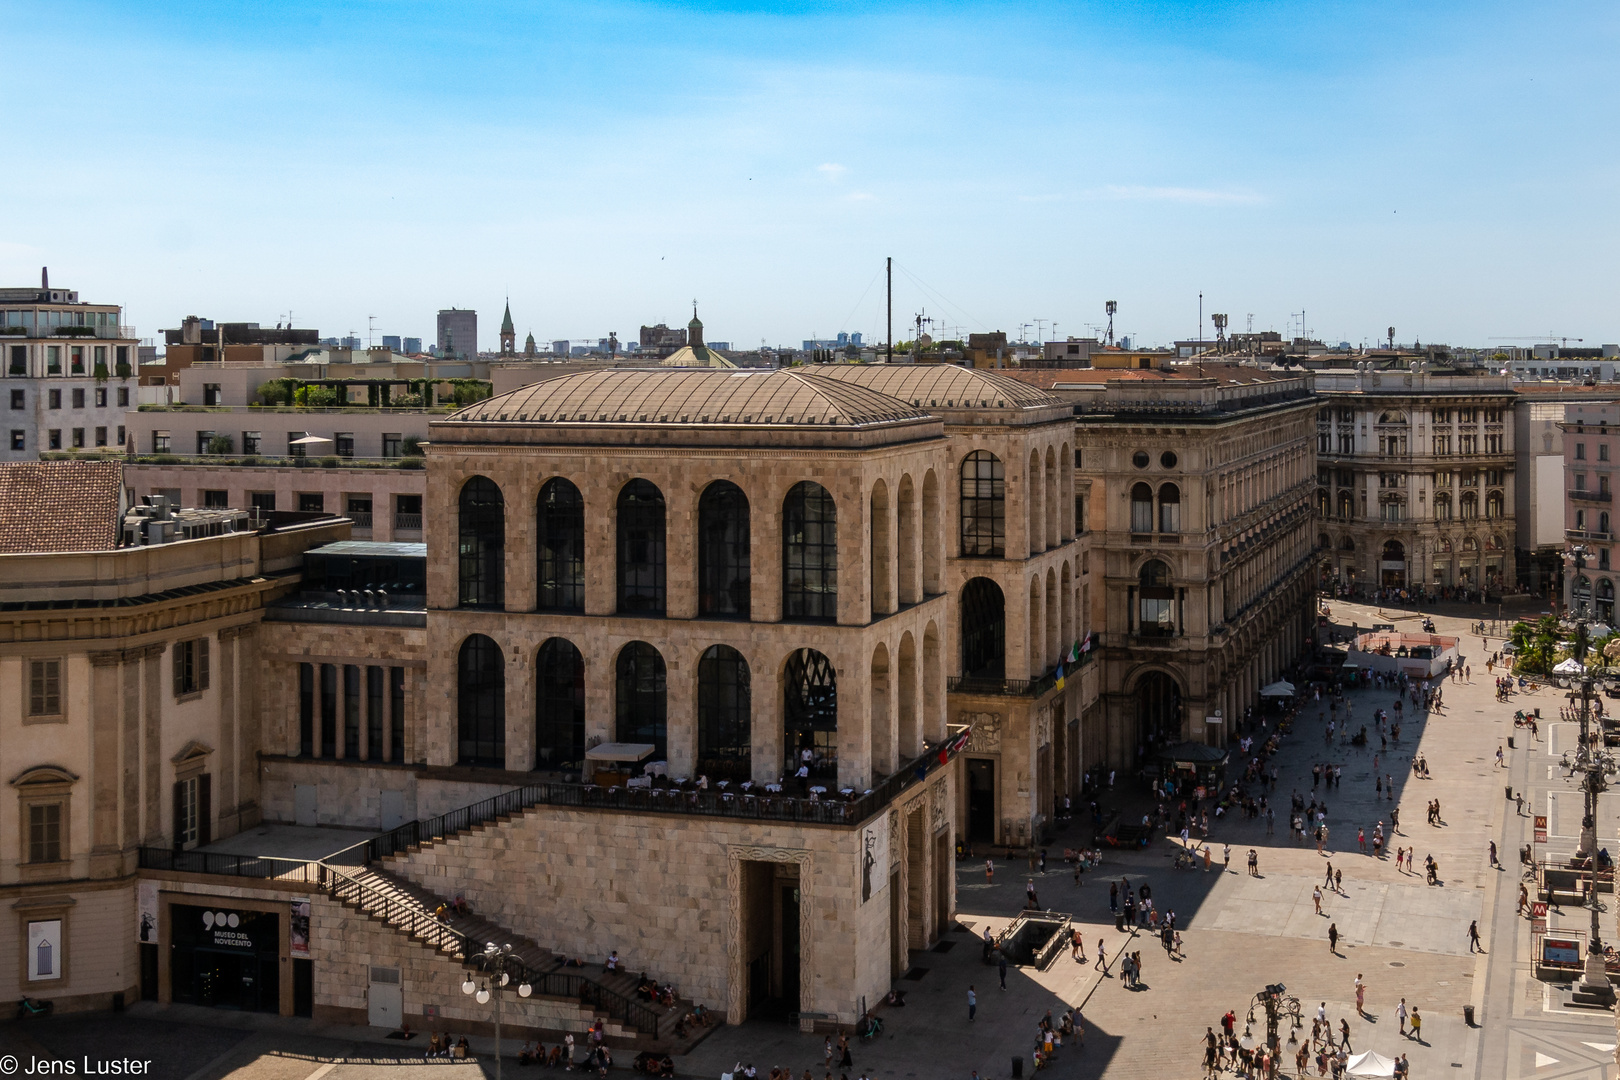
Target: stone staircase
<point>610,996</point>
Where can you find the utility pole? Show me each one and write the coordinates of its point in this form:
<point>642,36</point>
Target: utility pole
<point>1200,318</point>
<point>888,269</point>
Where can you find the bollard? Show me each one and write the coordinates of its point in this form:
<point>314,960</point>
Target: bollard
<point>1468,1015</point>
<point>1510,742</point>
<point>1510,791</point>
<point>1017,1066</point>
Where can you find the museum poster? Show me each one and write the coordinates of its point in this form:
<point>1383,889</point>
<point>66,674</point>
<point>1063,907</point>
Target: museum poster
<point>298,927</point>
<point>146,913</point>
<point>45,950</point>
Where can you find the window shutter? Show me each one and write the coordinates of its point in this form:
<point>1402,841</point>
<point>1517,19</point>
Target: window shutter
<point>179,815</point>
<point>202,663</point>
<point>205,808</point>
<point>178,649</point>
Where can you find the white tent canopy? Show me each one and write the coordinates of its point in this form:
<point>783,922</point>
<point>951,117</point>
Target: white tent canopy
<point>1370,1064</point>
<point>1570,666</point>
<point>1280,688</point>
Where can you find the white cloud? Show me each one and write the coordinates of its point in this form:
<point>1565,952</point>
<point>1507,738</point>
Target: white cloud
<point>832,172</point>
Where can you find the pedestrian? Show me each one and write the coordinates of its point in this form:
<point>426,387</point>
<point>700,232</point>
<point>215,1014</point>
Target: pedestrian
<point>1102,960</point>
<point>1113,897</point>
<point>1361,839</point>
<point>1361,996</point>
<point>1226,857</point>
<point>1031,901</point>
<point>1493,856</point>
<point>1344,1035</point>
<point>1400,1016</point>
<point>1328,880</point>
<point>1338,882</point>
<point>1499,762</point>
<point>568,1051</point>
<point>1524,897</point>
<point>1002,968</point>
<point>1043,860</point>
<point>1078,949</point>
<point>1417,1026</point>
<point>989,872</point>
<point>827,1048</point>
<point>1473,937</point>
<point>989,943</point>
<point>1333,938</point>
<point>973,1008</point>
<point>1254,863</point>
<point>844,1060</point>
<point>1316,895</point>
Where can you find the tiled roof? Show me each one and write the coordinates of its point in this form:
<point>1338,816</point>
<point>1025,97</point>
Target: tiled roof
<point>691,396</point>
<point>941,385</point>
<point>60,506</point>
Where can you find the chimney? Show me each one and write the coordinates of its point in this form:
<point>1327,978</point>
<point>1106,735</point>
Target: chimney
<point>45,278</point>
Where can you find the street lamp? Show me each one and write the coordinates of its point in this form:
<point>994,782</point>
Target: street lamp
<point>1277,1007</point>
<point>1594,986</point>
<point>497,963</point>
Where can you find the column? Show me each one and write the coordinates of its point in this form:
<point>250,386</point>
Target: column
<point>681,714</point>
<point>765,723</point>
<point>519,493</point>
<point>765,554</point>
<point>520,705</point>
<point>104,723</point>
<point>601,549</point>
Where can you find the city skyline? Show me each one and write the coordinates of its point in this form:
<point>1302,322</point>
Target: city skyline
<point>1370,168</point>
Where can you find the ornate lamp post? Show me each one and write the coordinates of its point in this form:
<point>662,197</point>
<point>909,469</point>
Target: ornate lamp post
<point>1594,985</point>
<point>1277,1007</point>
<point>496,963</point>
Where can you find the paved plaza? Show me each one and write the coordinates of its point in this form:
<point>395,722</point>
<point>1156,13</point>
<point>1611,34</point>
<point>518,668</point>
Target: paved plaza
<point>1404,937</point>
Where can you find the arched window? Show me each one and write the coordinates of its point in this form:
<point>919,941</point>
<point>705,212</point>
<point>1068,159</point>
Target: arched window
<point>1494,504</point>
<point>481,703</point>
<point>1141,508</point>
<point>1169,508</point>
<point>984,504</point>
<point>1347,543</point>
<point>1468,506</point>
<point>559,525</point>
<point>1158,709</point>
<point>483,544</point>
<point>1155,600</point>
<point>723,551</point>
<point>641,549</point>
<point>1394,551</point>
<point>810,714</point>
<point>559,706</point>
<point>725,739</point>
<point>1392,418</point>
<point>1442,506</point>
<point>809,553</point>
<point>1347,506</point>
<point>1323,542</point>
<point>640,700</point>
<point>984,630</point>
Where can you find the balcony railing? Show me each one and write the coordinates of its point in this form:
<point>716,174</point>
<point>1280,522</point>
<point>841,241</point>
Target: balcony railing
<point>1583,495</point>
<point>279,461</point>
<point>1589,534</point>
<point>990,684</point>
<point>408,521</point>
<point>361,518</point>
<point>264,867</point>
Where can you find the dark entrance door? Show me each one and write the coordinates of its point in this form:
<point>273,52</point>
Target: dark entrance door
<point>224,958</point>
<point>790,948</point>
<point>981,773</point>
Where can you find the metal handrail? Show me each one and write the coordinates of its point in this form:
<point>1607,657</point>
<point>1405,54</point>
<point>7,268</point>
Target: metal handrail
<point>267,867</point>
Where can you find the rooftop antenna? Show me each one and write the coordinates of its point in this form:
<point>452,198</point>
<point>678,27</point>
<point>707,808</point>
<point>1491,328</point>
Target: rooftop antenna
<point>1392,337</point>
<point>1220,331</point>
<point>1200,318</point>
<point>888,269</point>
<point>371,326</point>
<point>1251,322</point>
<point>1110,306</point>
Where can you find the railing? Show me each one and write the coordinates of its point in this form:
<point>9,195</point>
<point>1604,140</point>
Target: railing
<point>989,684</point>
<point>361,518</point>
<point>1583,495</point>
<point>277,461</point>
<point>410,916</point>
<point>1588,534</point>
<point>264,867</point>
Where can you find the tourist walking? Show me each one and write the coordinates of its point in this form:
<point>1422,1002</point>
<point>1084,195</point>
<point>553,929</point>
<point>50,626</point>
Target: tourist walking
<point>1361,996</point>
<point>1333,938</point>
<point>1473,937</point>
<point>1400,1016</point>
<point>973,1008</point>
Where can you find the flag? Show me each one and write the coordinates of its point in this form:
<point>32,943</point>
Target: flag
<point>1074,652</point>
<point>1085,646</point>
<point>1059,683</point>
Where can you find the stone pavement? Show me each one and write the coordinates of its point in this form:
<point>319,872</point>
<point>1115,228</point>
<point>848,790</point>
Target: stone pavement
<point>1404,937</point>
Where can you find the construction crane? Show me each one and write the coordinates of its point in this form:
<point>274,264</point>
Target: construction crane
<point>1563,342</point>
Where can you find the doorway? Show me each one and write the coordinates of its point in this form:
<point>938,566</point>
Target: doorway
<point>770,943</point>
<point>942,882</point>
<point>393,810</point>
<point>981,775</point>
<point>385,999</point>
<point>304,804</point>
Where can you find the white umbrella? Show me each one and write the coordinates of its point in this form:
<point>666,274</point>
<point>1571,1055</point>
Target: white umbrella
<point>1280,688</point>
<point>1370,1064</point>
<point>309,440</point>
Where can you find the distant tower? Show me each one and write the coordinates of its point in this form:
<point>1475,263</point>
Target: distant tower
<point>528,345</point>
<point>694,329</point>
<point>508,333</point>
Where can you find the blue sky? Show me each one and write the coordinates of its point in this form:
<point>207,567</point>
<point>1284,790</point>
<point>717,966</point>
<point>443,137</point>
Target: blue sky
<point>1449,169</point>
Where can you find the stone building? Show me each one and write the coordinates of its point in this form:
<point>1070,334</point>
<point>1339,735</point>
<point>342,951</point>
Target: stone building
<point>130,681</point>
<point>1195,483</point>
<point>1591,438</point>
<point>1415,478</point>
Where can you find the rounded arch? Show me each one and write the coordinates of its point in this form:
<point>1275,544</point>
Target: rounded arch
<point>641,698</point>
<point>1169,508</point>
<point>933,684</point>
<point>880,561</point>
<point>810,713</point>
<point>881,728</point>
<point>1141,508</point>
<point>559,706</point>
<point>641,570</point>
<point>933,532</point>
<point>984,630</point>
<point>1158,697</point>
<point>809,553</point>
<point>1347,543</point>
<point>908,714</point>
<point>724,715</point>
<point>723,551</point>
<point>559,527</point>
<point>1495,504</point>
<point>984,505</point>
<point>1323,541</point>
<point>481,520</point>
<point>1049,499</point>
<point>1393,416</point>
<point>1034,520</point>
<point>908,541</point>
<point>481,703</point>
<point>1394,551</point>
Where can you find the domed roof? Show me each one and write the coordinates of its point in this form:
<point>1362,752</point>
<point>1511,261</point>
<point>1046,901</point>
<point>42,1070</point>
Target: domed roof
<point>692,396</point>
<point>942,386</point>
<point>701,356</point>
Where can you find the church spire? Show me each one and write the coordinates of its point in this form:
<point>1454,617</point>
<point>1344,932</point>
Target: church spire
<point>508,332</point>
<point>694,329</point>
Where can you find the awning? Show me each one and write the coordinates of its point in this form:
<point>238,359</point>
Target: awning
<point>1370,1064</point>
<point>1194,753</point>
<point>1571,666</point>
<point>620,751</point>
<point>1280,688</point>
<point>309,440</point>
